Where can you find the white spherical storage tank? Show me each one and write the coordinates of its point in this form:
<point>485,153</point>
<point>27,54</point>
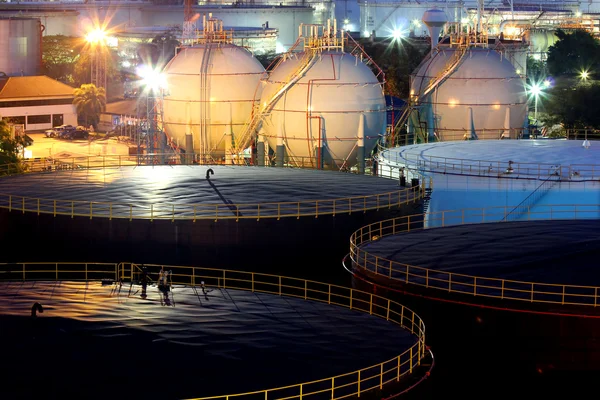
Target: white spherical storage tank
<point>483,96</point>
<point>20,46</point>
<point>337,105</point>
<point>211,89</point>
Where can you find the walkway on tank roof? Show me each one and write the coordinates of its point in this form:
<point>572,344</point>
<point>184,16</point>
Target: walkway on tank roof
<point>95,341</point>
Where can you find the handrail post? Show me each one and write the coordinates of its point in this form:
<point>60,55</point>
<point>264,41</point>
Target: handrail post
<point>24,272</point>
<point>252,281</point>
<point>224,283</point>
<point>329,294</point>
<point>410,368</point>
<point>351,298</point>
<point>532,292</point>
<point>358,382</point>
<point>450,281</point>
<point>381,377</point>
<point>398,369</point>
<point>563,296</point>
<point>502,290</point>
<point>305,289</point>
<point>333,387</point>
<point>371,305</point>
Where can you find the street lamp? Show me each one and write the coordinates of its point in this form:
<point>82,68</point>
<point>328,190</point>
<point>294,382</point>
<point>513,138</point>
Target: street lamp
<point>535,91</point>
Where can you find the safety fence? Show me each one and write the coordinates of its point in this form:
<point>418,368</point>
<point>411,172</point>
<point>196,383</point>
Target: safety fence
<point>452,282</point>
<point>485,168</point>
<point>200,211</point>
<point>341,386</point>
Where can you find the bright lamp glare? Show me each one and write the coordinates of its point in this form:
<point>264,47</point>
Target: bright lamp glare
<point>96,36</point>
<point>152,78</point>
<point>584,75</point>
<point>535,89</point>
<point>397,34</point>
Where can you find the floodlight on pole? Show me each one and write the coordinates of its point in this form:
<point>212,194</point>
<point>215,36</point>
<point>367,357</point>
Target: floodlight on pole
<point>535,91</point>
<point>154,85</point>
<point>96,39</point>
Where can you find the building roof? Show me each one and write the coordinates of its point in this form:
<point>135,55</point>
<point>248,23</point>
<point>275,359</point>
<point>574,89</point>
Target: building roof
<point>123,107</point>
<point>19,87</point>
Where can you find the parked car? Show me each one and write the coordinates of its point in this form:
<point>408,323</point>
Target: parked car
<point>51,133</point>
<point>76,134</point>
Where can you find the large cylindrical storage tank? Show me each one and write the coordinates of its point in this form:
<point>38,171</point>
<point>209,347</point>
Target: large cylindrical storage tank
<point>483,97</point>
<point>211,89</point>
<point>20,46</point>
<point>337,106</point>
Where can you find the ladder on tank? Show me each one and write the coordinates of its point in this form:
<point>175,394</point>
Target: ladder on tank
<point>413,104</point>
<point>259,113</point>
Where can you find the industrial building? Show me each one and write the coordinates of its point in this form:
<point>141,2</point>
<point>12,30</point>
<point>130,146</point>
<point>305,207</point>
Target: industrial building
<point>36,102</point>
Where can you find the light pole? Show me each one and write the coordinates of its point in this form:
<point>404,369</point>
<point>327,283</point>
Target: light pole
<point>97,40</point>
<point>535,91</point>
<point>154,84</point>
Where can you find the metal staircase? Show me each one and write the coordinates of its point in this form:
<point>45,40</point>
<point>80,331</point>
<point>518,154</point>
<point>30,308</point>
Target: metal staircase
<point>415,100</point>
<point>533,198</point>
<point>260,112</point>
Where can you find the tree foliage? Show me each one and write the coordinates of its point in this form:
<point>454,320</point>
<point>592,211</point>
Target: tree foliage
<point>9,149</point>
<point>397,60</point>
<point>82,71</point>
<point>59,55</point>
<point>160,50</point>
<point>536,70</point>
<point>573,53</point>
<point>568,103</point>
<point>89,102</point>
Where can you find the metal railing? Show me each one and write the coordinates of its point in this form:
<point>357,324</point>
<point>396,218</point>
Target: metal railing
<point>484,286</point>
<point>215,211</point>
<point>505,169</point>
<point>336,387</point>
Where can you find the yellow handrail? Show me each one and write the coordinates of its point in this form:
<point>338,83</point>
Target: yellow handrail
<point>484,286</point>
<point>200,211</point>
<point>341,386</point>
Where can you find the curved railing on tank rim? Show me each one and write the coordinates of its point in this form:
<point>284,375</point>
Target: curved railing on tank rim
<point>200,211</point>
<point>336,387</point>
<point>464,284</point>
<point>486,168</point>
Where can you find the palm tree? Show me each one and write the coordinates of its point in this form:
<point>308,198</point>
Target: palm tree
<point>90,102</point>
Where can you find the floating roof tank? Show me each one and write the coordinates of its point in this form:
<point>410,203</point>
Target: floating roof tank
<point>434,19</point>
